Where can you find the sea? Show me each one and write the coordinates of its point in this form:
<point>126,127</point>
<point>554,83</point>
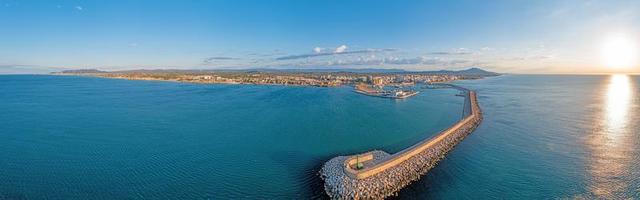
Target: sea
<point>543,137</point>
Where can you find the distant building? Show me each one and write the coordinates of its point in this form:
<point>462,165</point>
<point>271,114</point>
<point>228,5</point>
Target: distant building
<point>204,77</point>
<point>378,81</point>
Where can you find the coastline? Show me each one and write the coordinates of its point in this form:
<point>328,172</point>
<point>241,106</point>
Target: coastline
<point>187,81</point>
<point>290,78</point>
<point>149,78</point>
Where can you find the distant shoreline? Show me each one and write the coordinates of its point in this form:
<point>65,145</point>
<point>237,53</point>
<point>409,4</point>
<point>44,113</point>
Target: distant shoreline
<point>296,78</point>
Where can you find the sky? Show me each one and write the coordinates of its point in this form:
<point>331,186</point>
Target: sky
<point>510,36</point>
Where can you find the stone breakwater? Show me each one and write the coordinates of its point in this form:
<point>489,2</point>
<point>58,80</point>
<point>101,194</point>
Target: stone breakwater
<point>382,175</point>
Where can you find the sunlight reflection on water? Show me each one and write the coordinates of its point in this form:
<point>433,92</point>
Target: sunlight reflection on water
<point>612,140</point>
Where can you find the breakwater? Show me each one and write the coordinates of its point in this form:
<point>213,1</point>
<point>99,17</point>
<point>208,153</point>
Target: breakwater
<point>377,174</point>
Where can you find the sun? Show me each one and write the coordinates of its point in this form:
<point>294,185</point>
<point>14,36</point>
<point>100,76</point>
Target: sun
<point>619,51</point>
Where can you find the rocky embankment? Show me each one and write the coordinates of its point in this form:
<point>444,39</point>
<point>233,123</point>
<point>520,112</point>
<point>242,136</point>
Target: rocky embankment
<point>340,185</point>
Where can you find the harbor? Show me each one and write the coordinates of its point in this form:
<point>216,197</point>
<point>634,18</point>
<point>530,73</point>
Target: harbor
<point>377,174</point>
<point>379,92</point>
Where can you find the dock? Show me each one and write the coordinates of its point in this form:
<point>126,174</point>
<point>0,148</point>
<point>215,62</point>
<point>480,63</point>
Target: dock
<point>377,174</point>
<point>396,94</point>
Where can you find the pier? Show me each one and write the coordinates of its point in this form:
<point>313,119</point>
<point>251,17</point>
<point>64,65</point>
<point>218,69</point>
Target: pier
<point>377,174</point>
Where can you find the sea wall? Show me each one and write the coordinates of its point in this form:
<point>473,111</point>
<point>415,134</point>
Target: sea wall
<point>381,174</point>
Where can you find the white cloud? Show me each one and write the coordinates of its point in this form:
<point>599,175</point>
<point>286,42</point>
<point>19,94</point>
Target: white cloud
<point>341,49</point>
<point>487,49</point>
<point>342,56</point>
<point>79,8</point>
<point>461,51</point>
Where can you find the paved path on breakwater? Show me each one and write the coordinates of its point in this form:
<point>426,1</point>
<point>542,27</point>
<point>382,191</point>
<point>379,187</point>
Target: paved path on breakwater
<point>384,174</point>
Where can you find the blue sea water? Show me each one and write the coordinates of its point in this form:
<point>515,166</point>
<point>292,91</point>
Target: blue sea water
<point>545,137</point>
<point>64,137</point>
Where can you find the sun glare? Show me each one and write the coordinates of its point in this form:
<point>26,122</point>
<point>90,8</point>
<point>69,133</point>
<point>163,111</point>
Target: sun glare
<point>619,51</point>
<point>618,102</point>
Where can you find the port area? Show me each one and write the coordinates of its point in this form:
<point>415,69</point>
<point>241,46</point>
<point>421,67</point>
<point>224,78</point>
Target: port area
<point>379,91</point>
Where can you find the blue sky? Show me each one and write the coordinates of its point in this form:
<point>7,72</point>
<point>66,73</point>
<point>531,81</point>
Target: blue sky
<point>507,36</point>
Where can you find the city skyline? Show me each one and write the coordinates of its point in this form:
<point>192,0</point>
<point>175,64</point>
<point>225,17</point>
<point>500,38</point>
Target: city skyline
<point>505,36</point>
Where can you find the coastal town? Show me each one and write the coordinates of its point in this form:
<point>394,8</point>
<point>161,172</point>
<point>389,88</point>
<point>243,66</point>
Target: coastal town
<point>379,84</point>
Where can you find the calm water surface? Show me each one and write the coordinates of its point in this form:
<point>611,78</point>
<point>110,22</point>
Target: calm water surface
<point>78,137</point>
<point>542,137</point>
<point>545,137</point>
